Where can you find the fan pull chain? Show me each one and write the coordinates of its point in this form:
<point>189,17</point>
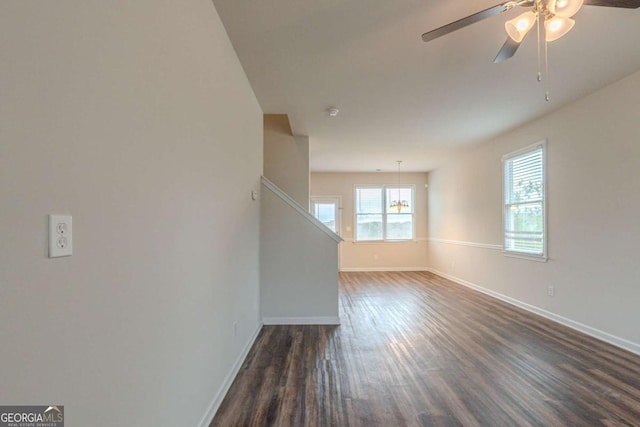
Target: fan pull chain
<point>546,71</point>
<point>539,41</point>
<point>542,38</point>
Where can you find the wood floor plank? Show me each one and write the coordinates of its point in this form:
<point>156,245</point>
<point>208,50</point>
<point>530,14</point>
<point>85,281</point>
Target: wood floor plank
<point>414,349</point>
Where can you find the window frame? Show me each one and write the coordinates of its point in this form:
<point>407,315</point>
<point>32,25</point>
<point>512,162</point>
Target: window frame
<point>540,145</point>
<point>383,188</point>
<point>337,200</point>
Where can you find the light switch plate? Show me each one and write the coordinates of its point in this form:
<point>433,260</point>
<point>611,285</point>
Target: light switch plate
<point>60,236</point>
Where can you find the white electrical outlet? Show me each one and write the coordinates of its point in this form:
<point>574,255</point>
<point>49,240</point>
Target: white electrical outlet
<point>60,236</point>
<point>235,329</point>
<point>551,291</point>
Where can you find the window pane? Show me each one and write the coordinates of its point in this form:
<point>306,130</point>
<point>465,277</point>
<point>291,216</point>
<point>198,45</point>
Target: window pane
<point>524,228</point>
<point>369,227</point>
<point>369,200</point>
<point>326,214</point>
<point>399,200</point>
<point>399,226</point>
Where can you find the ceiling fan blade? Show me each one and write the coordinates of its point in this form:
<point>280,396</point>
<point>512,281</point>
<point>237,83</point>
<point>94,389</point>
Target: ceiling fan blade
<point>471,19</point>
<point>628,4</point>
<point>509,49</point>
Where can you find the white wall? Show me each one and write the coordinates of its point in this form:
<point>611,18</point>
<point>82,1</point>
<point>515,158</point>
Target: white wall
<point>286,158</point>
<point>137,119</point>
<point>376,256</point>
<point>298,265</point>
<point>593,158</point>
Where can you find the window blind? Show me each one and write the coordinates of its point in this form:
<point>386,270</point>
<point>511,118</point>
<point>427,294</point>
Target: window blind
<point>369,210</point>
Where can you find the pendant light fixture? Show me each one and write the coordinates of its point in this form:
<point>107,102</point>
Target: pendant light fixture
<point>398,204</point>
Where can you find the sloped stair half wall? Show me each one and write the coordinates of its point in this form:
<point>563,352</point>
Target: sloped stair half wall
<point>298,263</point>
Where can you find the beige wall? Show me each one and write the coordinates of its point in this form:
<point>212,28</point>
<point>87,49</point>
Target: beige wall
<point>138,120</point>
<point>286,158</point>
<point>376,256</point>
<point>593,159</point>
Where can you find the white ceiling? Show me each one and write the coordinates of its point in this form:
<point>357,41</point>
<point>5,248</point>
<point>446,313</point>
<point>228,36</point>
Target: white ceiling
<point>401,98</point>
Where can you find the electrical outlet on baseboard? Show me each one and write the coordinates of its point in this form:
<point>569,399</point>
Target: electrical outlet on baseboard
<point>551,291</point>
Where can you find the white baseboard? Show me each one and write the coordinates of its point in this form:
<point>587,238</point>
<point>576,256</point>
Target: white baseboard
<point>365,269</point>
<point>224,388</point>
<point>588,330</point>
<point>301,320</point>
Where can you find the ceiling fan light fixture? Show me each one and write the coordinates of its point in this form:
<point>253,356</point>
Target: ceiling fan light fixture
<point>557,27</point>
<point>518,27</point>
<point>565,8</point>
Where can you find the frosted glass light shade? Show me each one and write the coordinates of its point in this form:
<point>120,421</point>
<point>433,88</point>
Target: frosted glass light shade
<point>565,8</point>
<point>518,27</point>
<point>557,27</point>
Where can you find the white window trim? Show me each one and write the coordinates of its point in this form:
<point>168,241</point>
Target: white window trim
<point>523,255</point>
<point>384,213</point>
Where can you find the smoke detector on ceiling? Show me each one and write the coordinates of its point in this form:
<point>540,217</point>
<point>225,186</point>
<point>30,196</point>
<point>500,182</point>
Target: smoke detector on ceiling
<point>333,112</point>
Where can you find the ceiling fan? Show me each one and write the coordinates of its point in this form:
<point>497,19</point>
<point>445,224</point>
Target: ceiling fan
<point>552,16</point>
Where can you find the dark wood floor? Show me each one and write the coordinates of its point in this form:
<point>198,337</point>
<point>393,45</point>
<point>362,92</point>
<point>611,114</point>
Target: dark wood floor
<point>415,349</point>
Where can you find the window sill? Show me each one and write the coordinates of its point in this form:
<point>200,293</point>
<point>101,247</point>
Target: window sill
<point>525,256</point>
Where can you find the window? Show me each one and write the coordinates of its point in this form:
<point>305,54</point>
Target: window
<point>384,213</point>
<point>327,210</point>
<point>524,202</point>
